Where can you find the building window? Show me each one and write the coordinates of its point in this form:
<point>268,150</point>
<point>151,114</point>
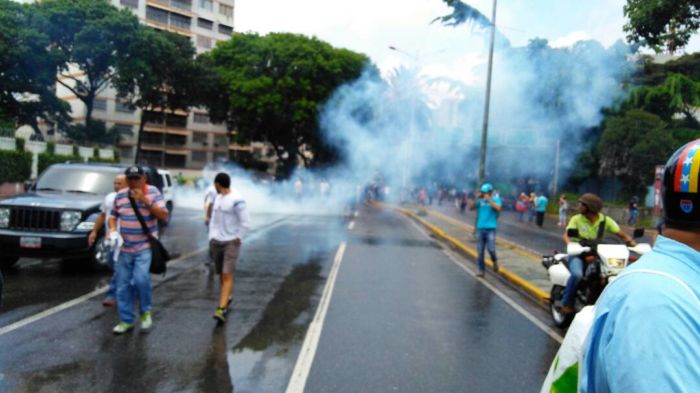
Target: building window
<point>182,4</point>
<point>203,42</point>
<point>179,21</point>
<point>157,15</point>
<point>227,30</point>
<point>130,3</point>
<point>199,156</point>
<point>201,118</point>
<point>205,24</point>
<point>124,129</point>
<point>122,107</point>
<point>226,10</point>
<point>99,104</point>
<point>206,5</point>
<point>220,140</point>
<point>200,138</point>
<point>126,152</point>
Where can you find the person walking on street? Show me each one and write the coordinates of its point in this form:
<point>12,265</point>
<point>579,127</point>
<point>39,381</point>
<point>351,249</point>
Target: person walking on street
<point>134,258</point>
<point>487,207</point>
<point>563,207</point>
<point>540,208</point>
<point>633,211</point>
<point>531,200</point>
<point>106,208</point>
<point>588,222</point>
<point>646,327</point>
<point>230,222</point>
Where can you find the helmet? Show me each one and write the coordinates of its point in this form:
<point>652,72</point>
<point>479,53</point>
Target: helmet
<point>592,202</point>
<point>486,187</point>
<point>680,187</point>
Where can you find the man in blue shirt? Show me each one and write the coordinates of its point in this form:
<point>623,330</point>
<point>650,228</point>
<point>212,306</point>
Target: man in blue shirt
<point>646,329</point>
<point>487,207</point>
<point>541,208</point>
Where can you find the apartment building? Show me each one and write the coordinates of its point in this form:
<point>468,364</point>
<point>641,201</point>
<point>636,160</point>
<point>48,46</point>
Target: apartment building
<point>183,139</point>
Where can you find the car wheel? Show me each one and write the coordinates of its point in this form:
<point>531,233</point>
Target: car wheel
<point>8,262</point>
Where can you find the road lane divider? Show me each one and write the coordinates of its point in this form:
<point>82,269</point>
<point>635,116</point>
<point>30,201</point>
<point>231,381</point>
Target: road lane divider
<point>351,225</point>
<point>537,293</point>
<point>308,349</point>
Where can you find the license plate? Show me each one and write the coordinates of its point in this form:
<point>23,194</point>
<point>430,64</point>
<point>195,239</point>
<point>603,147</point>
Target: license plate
<point>30,242</point>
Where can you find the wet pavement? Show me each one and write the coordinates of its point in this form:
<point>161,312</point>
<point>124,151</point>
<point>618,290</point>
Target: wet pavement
<point>406,315</point>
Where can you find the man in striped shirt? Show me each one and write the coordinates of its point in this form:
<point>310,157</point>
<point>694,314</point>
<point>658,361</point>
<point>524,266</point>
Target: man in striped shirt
<point>135,254</point>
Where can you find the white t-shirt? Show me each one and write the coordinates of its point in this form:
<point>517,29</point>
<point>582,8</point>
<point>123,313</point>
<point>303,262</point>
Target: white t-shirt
<point>229,217</point>
<point>106,207</point>
<point>210,194</point>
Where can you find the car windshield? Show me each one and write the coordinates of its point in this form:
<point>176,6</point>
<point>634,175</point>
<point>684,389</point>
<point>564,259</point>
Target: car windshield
<point>76,180</point>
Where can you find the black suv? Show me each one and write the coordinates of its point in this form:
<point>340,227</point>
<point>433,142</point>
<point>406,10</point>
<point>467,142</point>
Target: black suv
<point>54,218</point>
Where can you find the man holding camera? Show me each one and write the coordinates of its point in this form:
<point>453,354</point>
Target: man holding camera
<point>487,207</point>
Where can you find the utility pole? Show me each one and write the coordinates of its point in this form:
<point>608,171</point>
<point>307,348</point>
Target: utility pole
<point>485,127</point>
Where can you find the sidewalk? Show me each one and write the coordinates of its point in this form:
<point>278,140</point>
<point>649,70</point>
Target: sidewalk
<point>518,265</point>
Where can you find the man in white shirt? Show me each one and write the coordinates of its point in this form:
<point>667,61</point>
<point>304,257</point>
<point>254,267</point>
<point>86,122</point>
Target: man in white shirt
<point>229,223</point>
<point>119,183</point>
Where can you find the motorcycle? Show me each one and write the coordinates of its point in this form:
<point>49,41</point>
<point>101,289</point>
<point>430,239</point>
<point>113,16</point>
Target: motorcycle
<point>602,263</point>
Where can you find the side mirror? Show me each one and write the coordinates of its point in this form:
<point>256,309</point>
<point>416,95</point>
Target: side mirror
<point>638,232</point>
<point>572,232</point>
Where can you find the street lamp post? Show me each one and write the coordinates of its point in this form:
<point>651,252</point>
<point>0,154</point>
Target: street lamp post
<point>485,127</point>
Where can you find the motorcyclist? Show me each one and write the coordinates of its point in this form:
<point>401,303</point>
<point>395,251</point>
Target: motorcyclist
<point>587,222</point>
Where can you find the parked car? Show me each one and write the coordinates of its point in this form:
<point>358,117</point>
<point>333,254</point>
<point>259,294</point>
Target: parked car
<point>168,190</point>
<point>54,218</point>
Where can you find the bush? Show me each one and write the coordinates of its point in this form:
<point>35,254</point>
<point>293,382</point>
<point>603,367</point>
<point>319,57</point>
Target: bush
<point>15,166</point>
<point>47,159</point>
<point>19,144</point>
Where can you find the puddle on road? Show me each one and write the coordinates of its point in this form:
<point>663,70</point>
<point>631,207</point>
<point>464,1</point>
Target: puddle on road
<point>379,241</point>
<point>258,362</point>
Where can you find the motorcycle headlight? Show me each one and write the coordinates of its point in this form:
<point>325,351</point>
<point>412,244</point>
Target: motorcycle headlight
<point>69,219</point>
<point>4,217</point>
<point>617,263</point>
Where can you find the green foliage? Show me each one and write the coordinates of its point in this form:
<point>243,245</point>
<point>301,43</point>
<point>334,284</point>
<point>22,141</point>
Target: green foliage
<point>19,144</point>
<point>27,69</point>
<point>90,35</point>
<point>276,85</point>
<point>47,159</point>
<point>95,132</point>
<point>50,147</point>
<point>631,146</point>
<point>662,23</point>
<point>15,166</point>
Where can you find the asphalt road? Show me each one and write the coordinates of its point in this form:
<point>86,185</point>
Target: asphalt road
<point>404,315</point>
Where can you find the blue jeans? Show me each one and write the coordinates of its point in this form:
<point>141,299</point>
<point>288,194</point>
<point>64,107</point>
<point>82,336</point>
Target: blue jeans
<point>576,269</point>
<point>633,217</point>
<point>485,238</point>
<point>112,289</point>
<point>133,279</point>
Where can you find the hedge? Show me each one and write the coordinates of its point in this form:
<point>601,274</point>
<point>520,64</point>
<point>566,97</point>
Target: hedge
<point>15,166</point>
<point>47,159</point>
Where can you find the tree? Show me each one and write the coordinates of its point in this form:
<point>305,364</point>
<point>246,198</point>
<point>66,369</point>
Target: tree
<point>158,74</point>
<point>662,23</point>
<point>631,146</point>
<point>276,85</point>
<point>89,37</point>
<point>27,70</point>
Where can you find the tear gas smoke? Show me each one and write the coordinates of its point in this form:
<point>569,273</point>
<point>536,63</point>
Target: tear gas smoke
<point>409,130</point>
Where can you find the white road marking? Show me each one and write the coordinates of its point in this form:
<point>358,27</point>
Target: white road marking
<point>308,348</point>
<point>351,225</point>
<point>457,260</point>
<point>63,306</point>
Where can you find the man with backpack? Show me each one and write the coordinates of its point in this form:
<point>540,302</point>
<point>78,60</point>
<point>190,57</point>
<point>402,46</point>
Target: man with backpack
<point>646,327</point>
<point>591,224</point>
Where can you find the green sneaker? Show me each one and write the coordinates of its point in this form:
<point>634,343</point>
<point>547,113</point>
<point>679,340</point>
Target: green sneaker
<point>146,321</point>
<point>122,327</point>
<point>220,315</point>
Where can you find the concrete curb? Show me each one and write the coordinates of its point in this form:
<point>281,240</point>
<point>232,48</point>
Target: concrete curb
<point>525,285</point>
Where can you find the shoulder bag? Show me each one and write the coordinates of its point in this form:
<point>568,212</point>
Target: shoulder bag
<point>159,255</point>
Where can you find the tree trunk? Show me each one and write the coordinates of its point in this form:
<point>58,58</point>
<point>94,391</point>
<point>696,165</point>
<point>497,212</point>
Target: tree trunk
<point>137,157</point>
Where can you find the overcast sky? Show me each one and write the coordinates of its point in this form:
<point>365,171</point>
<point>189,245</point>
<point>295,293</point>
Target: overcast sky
<point>371,26</point>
